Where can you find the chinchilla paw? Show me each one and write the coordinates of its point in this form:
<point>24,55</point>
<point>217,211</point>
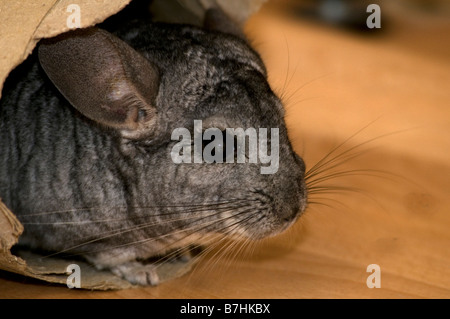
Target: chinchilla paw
<point>137,273</point>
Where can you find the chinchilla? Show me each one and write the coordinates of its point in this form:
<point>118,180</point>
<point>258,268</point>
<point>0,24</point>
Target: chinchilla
<point>87,144</point>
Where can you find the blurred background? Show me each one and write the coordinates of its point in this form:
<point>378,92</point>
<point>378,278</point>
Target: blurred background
<point>379,100</point>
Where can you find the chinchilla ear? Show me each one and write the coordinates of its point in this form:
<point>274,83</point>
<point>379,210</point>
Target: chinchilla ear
<point>217,20</point>
<point>104,78</point>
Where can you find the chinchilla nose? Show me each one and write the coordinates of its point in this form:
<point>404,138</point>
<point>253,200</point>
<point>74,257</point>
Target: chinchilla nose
<point>296,204</point>
<point>290,212</point>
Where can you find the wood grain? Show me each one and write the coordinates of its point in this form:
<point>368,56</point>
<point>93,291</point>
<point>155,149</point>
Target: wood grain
<point>397,213</point>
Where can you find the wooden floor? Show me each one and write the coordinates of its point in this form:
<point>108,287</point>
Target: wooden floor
<point>390,207</point>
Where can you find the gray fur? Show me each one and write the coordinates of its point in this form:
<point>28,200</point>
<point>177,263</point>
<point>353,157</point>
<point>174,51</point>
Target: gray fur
<point>72,181</point>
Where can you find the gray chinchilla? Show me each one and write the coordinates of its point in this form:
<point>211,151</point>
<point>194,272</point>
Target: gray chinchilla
<point>86,144</point>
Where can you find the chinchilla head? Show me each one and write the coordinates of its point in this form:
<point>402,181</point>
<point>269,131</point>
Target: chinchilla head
<point>195,120</point>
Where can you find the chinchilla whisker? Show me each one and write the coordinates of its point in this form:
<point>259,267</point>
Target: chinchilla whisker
<point>147,240</point>
<point>221,232</point>
<point>324,160</point>
<point>209,243</point>
<point>221,245</point>
<point>249,247</point>
<point>204,241</point>
<point>334,162</point>
<point>315,200</point>
<point>320,203</point>
<point>72,223</point>
<point>339,146</point>
<point>246,248</point>
<point>287,99</point>
<point>131,217</point>
<point>221,254</point>
<point>116,232</point>
<point>301,100</point>
<point>232,253</point>
<point>363,172</point>
<point>195,229</point>
<point>194,232</point>
<point>354,172</point>
<point>287,70</point>
<point>341,190</point>
<point>332,189</point>
<point>224,248</point>
<point>80,210</point>
<point>288,77</point>
<point>66,211</point>
<point>175,254</point>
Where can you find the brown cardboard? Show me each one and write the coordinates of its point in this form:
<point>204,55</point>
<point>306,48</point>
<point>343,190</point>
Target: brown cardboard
<point>22,25</point>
